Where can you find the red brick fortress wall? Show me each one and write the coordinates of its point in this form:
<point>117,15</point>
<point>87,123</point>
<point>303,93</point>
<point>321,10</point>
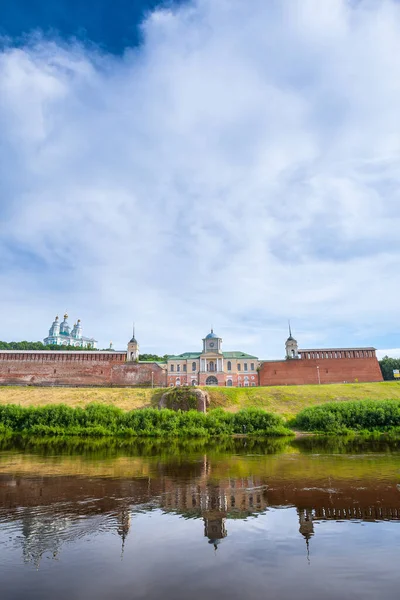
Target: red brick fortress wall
<point>76,369</point>
<point>331,370</point>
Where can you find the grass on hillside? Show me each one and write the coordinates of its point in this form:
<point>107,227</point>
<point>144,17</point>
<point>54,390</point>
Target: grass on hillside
<point>283,400</point>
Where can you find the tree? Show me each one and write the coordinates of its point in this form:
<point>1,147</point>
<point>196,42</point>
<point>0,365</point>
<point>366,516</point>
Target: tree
<point>388,365</point>
<point>153,357</point>
<point>37,346</point>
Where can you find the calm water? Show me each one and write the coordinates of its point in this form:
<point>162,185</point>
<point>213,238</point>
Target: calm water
<point>285,520</point>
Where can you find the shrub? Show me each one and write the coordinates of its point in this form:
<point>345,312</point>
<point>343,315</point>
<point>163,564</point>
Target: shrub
<point>103,420</point>
<point>339,417</point>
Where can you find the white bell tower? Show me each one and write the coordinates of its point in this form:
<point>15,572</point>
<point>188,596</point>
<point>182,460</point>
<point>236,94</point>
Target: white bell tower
<point>133,348</point>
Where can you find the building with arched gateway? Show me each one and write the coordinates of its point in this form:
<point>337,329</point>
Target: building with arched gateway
<point>212,366</point>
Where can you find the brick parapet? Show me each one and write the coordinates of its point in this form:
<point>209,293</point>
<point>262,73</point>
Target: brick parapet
<point>314,371</point>
<point>76,369</point>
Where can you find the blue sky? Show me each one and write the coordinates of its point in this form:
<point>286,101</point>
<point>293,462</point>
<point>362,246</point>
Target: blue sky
<point>233,163</point>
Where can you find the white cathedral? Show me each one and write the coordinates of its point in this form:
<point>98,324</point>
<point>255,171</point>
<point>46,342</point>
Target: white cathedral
<point>60,334</point>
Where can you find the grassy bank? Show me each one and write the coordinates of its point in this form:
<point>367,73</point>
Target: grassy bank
<point>96,420</point>
<point>283,400</point>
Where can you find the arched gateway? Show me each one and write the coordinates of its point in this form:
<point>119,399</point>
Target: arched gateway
<point>211,380</point>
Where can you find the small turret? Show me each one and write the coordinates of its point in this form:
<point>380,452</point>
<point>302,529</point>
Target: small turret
<point>78,329</point>
<point>55,328</point>
<point>292,348</point>
<point>65,328</point>
<point>133,348</point>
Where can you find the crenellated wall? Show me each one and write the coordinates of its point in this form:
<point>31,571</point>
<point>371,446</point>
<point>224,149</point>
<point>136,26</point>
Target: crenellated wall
<point>321,370</point>
<point>76,369</point>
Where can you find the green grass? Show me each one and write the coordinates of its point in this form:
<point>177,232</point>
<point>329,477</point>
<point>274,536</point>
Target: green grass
<point>96,420</point>
<point>291,399</point>
<point>284,400</point>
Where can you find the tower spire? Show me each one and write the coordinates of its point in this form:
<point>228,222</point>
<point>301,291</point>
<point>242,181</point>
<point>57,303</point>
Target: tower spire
<point>290,329</point>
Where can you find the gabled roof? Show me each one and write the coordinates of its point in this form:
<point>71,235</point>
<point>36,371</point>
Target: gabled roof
<point>238,354</point>
<point>232,354</point>
<point>184,356</point>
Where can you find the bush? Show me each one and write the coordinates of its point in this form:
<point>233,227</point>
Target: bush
<point>341,417</point>
<point>103,420</point>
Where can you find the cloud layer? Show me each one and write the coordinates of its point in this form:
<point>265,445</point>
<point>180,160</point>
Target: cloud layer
<point>240,167</point>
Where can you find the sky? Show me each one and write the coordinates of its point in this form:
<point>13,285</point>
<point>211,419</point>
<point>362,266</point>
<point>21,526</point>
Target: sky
<point>191,164</point>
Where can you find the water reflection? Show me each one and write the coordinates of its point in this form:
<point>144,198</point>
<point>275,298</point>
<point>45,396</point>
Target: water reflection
<point>52,495</point>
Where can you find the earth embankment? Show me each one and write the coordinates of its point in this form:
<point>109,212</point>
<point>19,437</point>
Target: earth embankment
<point>283,400</point>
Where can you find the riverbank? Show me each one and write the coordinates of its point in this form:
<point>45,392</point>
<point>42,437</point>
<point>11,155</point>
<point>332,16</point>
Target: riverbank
<point>282,400</point>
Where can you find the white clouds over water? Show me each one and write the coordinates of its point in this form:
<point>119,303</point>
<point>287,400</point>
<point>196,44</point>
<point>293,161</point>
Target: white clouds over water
<point>239,168</point>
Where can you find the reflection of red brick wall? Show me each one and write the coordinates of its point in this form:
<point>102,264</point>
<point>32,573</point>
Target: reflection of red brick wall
<point>76,368</point>
<point>331,370</point>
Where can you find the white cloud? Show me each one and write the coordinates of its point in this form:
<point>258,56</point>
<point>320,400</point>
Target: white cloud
<point>240,167</point>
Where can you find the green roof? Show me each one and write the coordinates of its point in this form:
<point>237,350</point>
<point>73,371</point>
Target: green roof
<point>237,354</point>
<point>190,355</point>
<point>185,356</point>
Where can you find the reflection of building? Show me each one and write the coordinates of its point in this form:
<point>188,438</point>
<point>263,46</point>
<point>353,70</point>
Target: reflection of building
<point>212,366</point>
<point>215,529</point>
<point>60,334</point>
<point>306,526</point>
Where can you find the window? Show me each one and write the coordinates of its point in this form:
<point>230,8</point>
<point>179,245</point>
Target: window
<point>184,368</point>
<point>178,367</point>
<point>245,366</point>
<point>193,366</point>
<point>229,365</point>
<point>252,366</point>
<point>172,367</point>
<point>238,367</point>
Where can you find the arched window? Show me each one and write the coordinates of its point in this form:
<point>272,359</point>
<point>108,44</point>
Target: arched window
<point>229,367</point>
<point>178,367</point>
<point>229,382</point>
<point>238,367</point>
<point>193,366</point>
<point>252,366</point>
<point>245,366</point>
<point>172,367</point>
<point>292,353</point>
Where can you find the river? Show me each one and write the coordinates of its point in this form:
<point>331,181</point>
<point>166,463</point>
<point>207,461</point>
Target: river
<point>285,519</point>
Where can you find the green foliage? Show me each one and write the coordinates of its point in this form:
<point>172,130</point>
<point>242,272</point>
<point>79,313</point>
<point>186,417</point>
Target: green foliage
<point>38,346</point>
<point>181,398</point>
<point>104,420</point>
<point>154,357</point>
<point>342,417</point>
<point>387,366</point>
